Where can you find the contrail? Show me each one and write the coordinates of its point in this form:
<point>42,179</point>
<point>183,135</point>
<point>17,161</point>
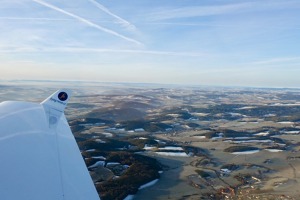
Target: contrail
<point>87,22</point>
<point>34,18</point>
<point>124,22</point>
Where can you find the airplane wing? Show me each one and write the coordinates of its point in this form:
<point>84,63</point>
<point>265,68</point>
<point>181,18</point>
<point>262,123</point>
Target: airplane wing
<point>39,157</point>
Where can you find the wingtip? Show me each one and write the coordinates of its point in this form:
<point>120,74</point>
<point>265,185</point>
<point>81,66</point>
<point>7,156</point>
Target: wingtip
<point>59,98</point>
<point>55,105</point>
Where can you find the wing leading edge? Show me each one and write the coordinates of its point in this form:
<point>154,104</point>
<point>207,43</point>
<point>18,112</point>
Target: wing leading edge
<point>39,155</point>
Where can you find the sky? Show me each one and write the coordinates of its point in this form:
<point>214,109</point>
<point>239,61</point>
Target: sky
<point>204,42</point>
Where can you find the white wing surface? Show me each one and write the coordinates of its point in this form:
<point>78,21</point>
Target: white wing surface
<point>39,157</point>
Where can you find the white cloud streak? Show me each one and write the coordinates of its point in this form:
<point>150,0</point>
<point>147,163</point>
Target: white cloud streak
<point>87,22</point>
<point>34,18</point>
<point>277,61</point>
<point>24,49</point>
<point>166,53</point>
<point>122,21</point>
<point>200,11</point>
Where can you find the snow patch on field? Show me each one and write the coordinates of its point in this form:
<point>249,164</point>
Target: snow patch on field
<point>246,108</point>
<point>107,134</point>
<point>286,104</point>
<point>252,141</point>
<point>97,164</point>
<point>99,157</point>
<point>235,114</point>
<point>274,150</point>
<point>142,138</point>
<point>199,137</point>
<point>171,148</point>
<point>146,147</point>
<point>160,142</point>
<point>269,115</point>
<point>245,152</point>
<point>291,132</point>
<point>173,115</point>
<point>100,141</point>
<point>285,122</point>
<point>112,164</point>
<point>148,184</point>
<point>242,138</point>
<point>200,114</point>
<point>262,134</point>
<point>179,154</point>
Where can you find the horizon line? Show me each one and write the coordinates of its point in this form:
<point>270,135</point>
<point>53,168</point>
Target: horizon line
<point>147,83</point>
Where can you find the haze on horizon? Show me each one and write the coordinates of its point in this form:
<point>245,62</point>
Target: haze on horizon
<point>243,43</point>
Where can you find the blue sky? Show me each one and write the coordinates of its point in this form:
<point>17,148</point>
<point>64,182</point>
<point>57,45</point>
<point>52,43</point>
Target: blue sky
<point>207,42</point>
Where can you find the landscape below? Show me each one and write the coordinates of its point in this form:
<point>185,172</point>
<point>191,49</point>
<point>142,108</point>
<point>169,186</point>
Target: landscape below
<point>183,142</point>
